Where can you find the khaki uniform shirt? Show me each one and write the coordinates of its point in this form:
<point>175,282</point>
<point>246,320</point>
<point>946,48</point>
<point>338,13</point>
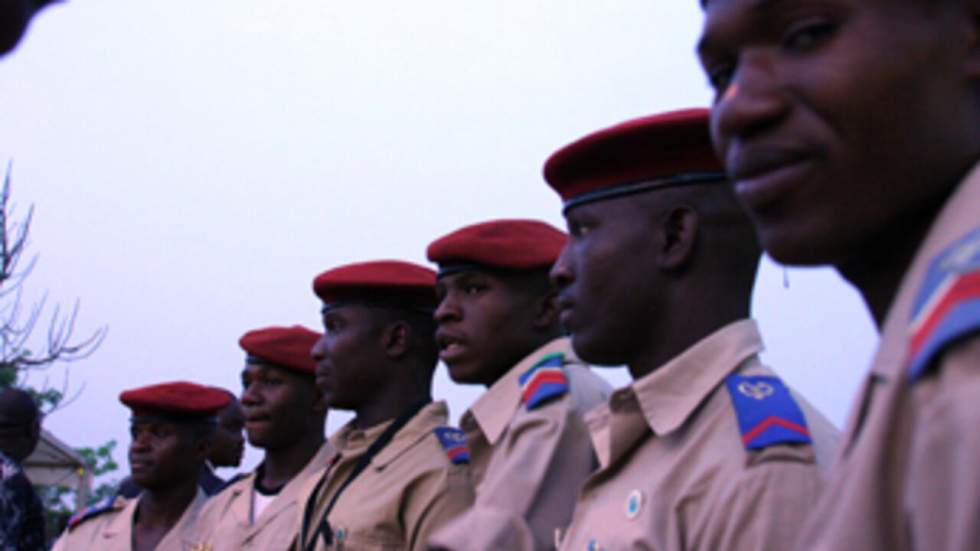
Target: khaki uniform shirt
<point>112,530</point>
<point>909,472</point>
<point>410,488</point>
<point>226,523</point>
<point>675,473</point>
<point>529,462</point>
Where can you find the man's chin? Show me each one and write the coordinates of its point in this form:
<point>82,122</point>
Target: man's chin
<point>465,374</point>
<point>594,350</point>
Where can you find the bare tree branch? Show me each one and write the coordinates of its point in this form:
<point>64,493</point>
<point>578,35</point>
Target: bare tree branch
<point>17,325</point>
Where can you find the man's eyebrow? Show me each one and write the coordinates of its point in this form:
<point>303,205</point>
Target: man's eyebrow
<point>756,9</point>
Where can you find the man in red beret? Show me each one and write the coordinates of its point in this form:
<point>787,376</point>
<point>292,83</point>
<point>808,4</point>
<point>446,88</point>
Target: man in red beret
<point>171,426</point>
<point>227,447</point>
<point>498,327</point>
<point>285,416</point>
<point>400,472</point>
<point>707,448</point>
<point>851,131</point>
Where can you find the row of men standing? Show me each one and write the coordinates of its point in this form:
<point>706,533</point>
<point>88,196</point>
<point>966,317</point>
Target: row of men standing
<point>849,130</point>
<point>707,449</point>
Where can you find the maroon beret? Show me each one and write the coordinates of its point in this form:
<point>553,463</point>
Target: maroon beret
<point>287,347</point>
<point>180,398</point>
<point>668,149</point>
<point>506,244</point>
<point>391,283</point>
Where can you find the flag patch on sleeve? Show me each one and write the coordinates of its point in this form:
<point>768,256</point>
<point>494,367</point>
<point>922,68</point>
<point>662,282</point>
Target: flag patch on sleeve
<point>947,307</point>
<point>767,413</point>
<point>454,442</point>
<point>545,381</point>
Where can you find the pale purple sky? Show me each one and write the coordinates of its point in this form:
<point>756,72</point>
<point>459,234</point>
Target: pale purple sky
<point>194,164</point>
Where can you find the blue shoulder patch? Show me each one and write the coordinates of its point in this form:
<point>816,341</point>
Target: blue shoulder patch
<point>454,442</point>
<point>767,414</point>
<point>103,506</point>
<point>544,381</point>
<point>947,308</point>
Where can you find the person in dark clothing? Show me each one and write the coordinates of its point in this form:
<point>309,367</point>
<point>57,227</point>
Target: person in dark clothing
<point>21,514</point>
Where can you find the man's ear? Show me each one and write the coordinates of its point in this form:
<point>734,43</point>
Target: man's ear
<point>678,237</point>
<point>202,446</point>
<point>396,339</point>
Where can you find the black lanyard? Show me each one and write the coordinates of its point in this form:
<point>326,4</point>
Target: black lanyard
<point>323,527</point>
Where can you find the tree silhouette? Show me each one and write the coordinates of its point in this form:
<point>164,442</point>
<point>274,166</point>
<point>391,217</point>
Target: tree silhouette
<point>19,324</point>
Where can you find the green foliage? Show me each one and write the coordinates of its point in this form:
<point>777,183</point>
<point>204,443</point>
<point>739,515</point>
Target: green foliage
<point>8,376</point>
<point>59,502</point>
<point>99,460</point>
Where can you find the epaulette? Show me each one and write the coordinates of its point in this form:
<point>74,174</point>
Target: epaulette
<point>454,442</point>
<point>767,413</point>
<point>103,506</point>
<point>947,307</point>
<point>544,381</point>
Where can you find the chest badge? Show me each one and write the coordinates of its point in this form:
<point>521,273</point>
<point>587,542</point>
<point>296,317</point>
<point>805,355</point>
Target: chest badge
<point>634,503</point>
<point>594,545</point>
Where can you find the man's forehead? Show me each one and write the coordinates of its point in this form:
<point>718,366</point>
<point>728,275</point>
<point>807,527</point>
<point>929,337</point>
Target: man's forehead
<point>256,368</point>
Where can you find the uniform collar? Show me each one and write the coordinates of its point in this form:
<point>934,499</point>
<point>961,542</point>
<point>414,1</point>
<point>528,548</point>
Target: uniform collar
<point>185,526</point>
<point>955,219</point>
<point>242,490</point>
<point>663,400</point>
<point>495,408</point>
<point>353,442</point>
<point>123,522</point>
<point>669,395</point>
<point>425,421</point>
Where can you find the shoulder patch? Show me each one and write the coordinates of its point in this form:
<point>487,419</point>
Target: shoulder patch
<point>545,381</point>
<point>103,506</point>
<point>454,442</point>
<point>767,413</point>
<point>947,307</point>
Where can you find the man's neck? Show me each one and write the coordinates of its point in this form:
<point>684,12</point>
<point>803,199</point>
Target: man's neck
<point>281,465</point>
<point>878,269</point>
<point>164,507</point>
<point>529,349</point>
<point>388,404</point>
<point>681,332</point>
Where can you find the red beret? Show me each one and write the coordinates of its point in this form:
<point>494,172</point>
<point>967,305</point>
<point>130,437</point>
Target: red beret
<point>651,152</point>
<point>507,244</point>
<point>382,282</point>
<point>181,398</point>
<point>287,347</point>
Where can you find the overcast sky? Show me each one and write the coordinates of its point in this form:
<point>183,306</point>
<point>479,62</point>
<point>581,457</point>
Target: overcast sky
<point>194,164</point>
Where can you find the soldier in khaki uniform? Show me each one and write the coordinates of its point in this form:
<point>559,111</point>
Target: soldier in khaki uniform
<point>284,415</point>
<point>400,473</point>
<point>707,449</point>
<point>498,326</point>
<point>171,427</point>
<point>851,134</point>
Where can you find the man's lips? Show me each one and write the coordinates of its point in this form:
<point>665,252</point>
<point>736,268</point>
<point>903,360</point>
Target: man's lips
<point>256,420</point>
<point>762,175</point>
<point>451,345</point>
<point>138,464</point>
